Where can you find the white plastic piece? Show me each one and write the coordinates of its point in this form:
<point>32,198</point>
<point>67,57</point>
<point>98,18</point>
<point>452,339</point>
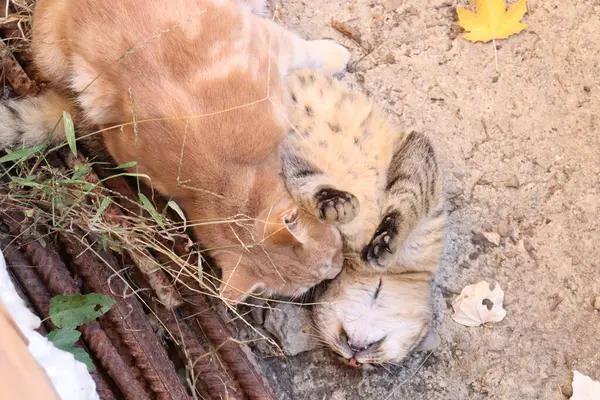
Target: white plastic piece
<point>584,388</point>
<point>70,378</point>
<point>478,305</point>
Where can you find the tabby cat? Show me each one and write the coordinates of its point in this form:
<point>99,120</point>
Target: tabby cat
<point>344,161</point>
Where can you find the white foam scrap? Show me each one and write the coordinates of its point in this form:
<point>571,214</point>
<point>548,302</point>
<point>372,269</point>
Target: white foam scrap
<point>584,388</point>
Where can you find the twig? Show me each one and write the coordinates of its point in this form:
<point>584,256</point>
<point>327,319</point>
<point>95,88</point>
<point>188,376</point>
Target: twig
<point>156,278</point>
<point>346,29</point>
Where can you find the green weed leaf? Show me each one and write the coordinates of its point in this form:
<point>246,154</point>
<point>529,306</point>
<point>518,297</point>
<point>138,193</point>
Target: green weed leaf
<point>74,310</point>
<point>125,165</point>
<point>70,132</point>
<point>103,206</point>
<point>151,210</point>
<point>81,355</point>
<point>179,212</point>
<point>104,242</point>
<point>80,171</point>
<point>22,154</point>
<point>27,182</point>
<point>65,339</point>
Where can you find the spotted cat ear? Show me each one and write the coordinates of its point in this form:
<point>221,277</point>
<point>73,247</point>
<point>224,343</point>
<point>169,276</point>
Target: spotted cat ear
<point>431,341</point>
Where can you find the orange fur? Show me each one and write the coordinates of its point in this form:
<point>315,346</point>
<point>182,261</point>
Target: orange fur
<point>198,85</point>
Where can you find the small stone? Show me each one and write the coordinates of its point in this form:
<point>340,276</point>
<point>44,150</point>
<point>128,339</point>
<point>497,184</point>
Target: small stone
<point>528,246</point>
<point>567,387</point>
<point>390,58</point>
<point>512,182</point>
<point>596,303</point>
<point>503,229</point>
<point>478,239</point>
<point>492,237</point>
<point>556,300</point>
<point>291,325</point>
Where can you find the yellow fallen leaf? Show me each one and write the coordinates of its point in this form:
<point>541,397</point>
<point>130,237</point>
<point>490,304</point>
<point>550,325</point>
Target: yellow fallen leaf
<point>492,20</point>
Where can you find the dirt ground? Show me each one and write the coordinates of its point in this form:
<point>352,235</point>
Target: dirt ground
<point>521,153</point>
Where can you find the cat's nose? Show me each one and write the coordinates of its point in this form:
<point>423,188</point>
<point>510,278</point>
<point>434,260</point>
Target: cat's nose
<point>354,363</point>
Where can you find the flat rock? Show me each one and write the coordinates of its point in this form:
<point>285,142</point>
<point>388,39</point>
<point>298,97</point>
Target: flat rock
<point>492,237</point>
<point>291,326</point>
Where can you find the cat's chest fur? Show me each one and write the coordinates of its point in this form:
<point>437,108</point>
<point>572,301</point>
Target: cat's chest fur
<point>350,140</point>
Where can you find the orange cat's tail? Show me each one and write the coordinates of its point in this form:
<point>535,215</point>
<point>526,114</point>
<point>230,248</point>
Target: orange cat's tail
<point>33,121</point>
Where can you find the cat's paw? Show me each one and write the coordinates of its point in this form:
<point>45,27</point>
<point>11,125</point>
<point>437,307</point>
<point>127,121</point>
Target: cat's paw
<point>381,250</point>
<point>330,56</point>
<point>336,206</point>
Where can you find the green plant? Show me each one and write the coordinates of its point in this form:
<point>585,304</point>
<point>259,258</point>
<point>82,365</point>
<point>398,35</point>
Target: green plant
<point>69,312</point>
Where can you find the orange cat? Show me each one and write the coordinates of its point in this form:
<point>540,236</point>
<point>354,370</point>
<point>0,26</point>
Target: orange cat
<point>195,89</point>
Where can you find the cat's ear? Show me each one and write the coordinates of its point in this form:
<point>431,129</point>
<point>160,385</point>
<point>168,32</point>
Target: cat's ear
<point>431,341</point>
<point>285,228</point>
<point>238,283</point>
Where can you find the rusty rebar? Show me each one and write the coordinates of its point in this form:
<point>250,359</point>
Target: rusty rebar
<point>211,380</point>
<point>58,281</point>
<point>238,357</point>
<point>156,278</point>
<point>102,387</point>
<point>38,295</point>
<point>26,275</point>
<point>15,75</point>
<point>100,271</point>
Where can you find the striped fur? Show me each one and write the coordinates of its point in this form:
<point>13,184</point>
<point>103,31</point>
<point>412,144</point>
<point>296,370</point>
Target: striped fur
<point>344,161</point>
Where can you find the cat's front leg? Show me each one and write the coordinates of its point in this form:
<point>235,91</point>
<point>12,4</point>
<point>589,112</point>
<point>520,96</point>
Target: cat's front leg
<point>382,248</point>
<point>332,205</point>
<point>312,188</point>
<point>412,193</point>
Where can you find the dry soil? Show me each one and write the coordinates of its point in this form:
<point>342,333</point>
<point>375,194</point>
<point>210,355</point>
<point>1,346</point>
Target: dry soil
<point>521,153</point>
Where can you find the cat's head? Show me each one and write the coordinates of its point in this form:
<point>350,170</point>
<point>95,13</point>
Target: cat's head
<point>296,251</point>
<point>375,319</point>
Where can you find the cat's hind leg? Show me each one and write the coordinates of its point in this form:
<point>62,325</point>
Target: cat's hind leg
<point>412,193</point>
<point>293,52</point>
<point>312,188</point>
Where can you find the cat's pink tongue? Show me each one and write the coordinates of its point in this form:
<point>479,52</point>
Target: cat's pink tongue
<point>353,363</point>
